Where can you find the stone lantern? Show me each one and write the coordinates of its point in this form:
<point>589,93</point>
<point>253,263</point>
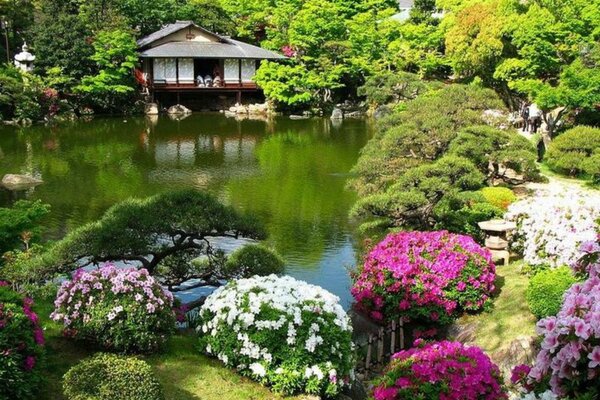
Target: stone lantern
<point>24,60</point>
<point>496,237</point>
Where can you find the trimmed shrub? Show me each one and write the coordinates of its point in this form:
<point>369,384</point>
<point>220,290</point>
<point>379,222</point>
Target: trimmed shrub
<point>282,332</point>
<point>424,276</point>
<point>570,151</point>
<point>111,377</point>
<point>546,289</point>
<point>500,197</point>
<point>21,346</point>
<point>440,370</point>
<point>252,260</point>
<point>120,309</point>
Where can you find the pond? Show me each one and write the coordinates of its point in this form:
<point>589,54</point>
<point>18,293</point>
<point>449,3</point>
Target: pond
<point>290,173</point>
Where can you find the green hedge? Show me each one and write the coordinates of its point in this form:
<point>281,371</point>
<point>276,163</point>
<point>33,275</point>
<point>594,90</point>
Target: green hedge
<point>575,152</point>
<point>111,377</point>
<point>546,289</point>
<point>253,259</point>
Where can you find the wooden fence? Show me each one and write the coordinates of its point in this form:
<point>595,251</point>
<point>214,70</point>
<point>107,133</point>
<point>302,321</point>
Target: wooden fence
<point>376,351</point>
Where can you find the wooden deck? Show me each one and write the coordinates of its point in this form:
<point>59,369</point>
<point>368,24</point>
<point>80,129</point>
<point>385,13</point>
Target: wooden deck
<point>190,87</point>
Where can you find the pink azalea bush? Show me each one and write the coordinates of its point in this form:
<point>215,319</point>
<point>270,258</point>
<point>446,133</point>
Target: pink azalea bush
<point>120,309</point>
<point>569,360</point>
<point>425,276</point>
<point>21,345</point>
<point>440,371</point>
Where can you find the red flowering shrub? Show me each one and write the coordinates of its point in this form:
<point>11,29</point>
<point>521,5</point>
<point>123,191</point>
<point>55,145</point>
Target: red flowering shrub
<point>21,345</point>
<point>425,276</point>
<point>440,371</point>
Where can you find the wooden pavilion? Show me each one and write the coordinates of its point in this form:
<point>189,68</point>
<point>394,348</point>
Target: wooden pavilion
<point>185,58</point>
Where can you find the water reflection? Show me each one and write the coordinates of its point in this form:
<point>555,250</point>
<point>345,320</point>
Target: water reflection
<point>290,173</point>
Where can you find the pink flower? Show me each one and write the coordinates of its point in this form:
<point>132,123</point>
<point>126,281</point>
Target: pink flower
<point>29,363</point>
<point>594,357</point>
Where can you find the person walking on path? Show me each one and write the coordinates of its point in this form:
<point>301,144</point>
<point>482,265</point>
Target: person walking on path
<point>525,116</point>
<point>535,118</point>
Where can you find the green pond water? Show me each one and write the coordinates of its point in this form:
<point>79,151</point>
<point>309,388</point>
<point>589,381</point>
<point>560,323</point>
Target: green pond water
<point>290,173</point>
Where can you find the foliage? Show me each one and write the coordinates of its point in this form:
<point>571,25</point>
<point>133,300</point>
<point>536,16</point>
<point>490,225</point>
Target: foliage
<point>546,290</point>
<point>504,150</point>
<point>500,197</point>
<point>440,370</point>
<point>121,309</point>
<point>129,231</point>
<point>25,96</point>
<point>253,260</point>
<point>429,152</point>
<point>109,376</point>
<point>20,224</point>
<point>285,333</point>
<point>424,276</point>
<point>391,87</point>
<point>553,223</point>
<point>463,212</point>
<point>569,357</point>
<point>414,199</point>
<point>575,151</point>
<point>418,133</point>
<point>21,346</point>
<point>115,55</point>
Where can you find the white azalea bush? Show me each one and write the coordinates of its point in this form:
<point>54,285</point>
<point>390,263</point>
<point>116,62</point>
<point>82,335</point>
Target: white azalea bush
<point>282,332</point>
<point>552,224</point>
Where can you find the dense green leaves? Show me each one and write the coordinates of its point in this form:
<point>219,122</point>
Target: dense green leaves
<point>417,170</point>
<point>20,224</point>
<point>146,231</point>
<point>576,151</point>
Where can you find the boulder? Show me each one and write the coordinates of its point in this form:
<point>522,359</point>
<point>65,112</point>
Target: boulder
<point>258,108</point>
<point>522,350</point>
<point>19,182</point>
<point>381,112</point>
<point>178,109</point>
<point>337,113</point>
<point>354,114</point>
<point>151,109</point>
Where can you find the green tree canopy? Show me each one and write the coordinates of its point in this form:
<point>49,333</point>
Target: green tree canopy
<point>147,231</point>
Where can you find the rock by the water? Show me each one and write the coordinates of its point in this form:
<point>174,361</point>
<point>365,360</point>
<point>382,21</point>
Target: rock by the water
<point>16,181</point>
<point>381,112</point>
<point>151,109</point>
<point>354,114</point>
<point>337,114</point>
<point>293,116</point>
<point>179,109</point>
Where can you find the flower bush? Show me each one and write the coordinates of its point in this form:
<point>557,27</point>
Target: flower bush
<point>569,360</point>
<point>111,377</point>
<point>281,332</point>
<point>440,371</point>
<point>21,345</point>
<point>426,276</point>
<point>120,309</point>
<point>552,224</point>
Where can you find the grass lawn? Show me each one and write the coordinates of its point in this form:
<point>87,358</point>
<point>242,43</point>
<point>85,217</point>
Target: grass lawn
<point>510,316</point>
<point>183,372</point>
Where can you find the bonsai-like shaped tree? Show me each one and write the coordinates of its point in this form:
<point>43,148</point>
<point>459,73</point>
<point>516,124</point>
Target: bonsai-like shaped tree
<point>163,233</point>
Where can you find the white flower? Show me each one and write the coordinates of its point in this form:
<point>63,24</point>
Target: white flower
<point>258,370</point>
<point>553,223</point>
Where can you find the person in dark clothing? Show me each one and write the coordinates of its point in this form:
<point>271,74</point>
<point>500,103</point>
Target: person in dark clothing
<point>525,116</point>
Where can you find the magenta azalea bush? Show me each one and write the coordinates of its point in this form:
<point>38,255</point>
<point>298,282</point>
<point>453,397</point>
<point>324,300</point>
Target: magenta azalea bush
<point>440,371</point>
<point>425,276</point>
<point>120,309</point>
<point>21,346</point>
<point>569,360</point>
